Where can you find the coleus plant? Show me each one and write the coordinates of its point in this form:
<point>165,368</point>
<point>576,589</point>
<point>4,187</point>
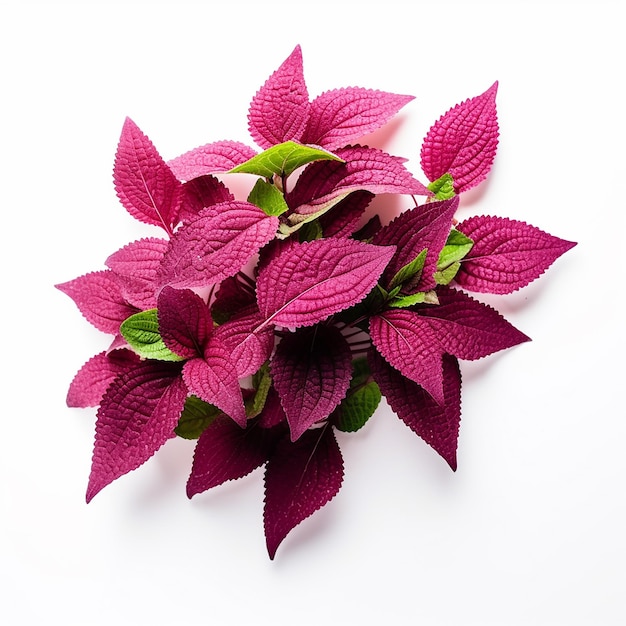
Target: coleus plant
<point>261,326</point>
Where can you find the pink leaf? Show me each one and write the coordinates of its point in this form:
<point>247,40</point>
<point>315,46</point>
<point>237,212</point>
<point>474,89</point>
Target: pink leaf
<point>463,142</point>
<point>365,168</point>
<point>137,416</point>
<point>468,329</point>
<point>219,156</point>
<point>136,266</point>
<point>144,183</point>
<point>184,321</point>
<point>273,412</point>
<point>280,109</point>
<point>226,452</point>
<point>249,344</point>
<point>216,245</point>
<point>300,478</point>
<point>314,280</point>
<point>422,228</point>
<point>341,116</point>
<point>214,380</point>
<point>346,215</point>
<point>409,344</point>
<point>436,423</point>
<point>200,193</point>
<point>311,370</point>
<point>99,298</point>
<point>93,378</point>
<point>233,295</point>
<point>506,255</point>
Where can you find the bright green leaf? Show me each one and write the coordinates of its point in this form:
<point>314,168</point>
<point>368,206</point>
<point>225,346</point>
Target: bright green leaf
<point>283,159</point>
<point>443,277</point>
<point>196,417</point>
<point>262,382</point>
<point>457,246</point>
<point>142,333</point>
<point>357,407</point>
<point>268,198</point>
<point>443,187</point>
<point>410,271</point>
<point>402,302</point>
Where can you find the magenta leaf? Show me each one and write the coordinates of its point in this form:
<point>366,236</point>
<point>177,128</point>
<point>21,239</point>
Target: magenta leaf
<point>340,116</point>
<point>219,156</point>
<point>202,192</point>
<point>137,416</point>
<point>214,380</point>
<point>226,452</point>
<point>300,478</point>
<point>144,183</point>
<point>216,245</point>
<point>365,168</point>
<point>248,341</point>
<point>184,321</point>
<point>280,109</point>
<point>436,423</point>
<point>99,298</point>
<point>234,294</point>
<point>408,343</point>
<point>506,255</point>
<point>468,329</point>
<point>463,142</point>
<point>311,370</point>
<point>136,266</point>
<point>346,215</point>
<point>422,228</point>
<point>93,378</point>
<point>311,281</point>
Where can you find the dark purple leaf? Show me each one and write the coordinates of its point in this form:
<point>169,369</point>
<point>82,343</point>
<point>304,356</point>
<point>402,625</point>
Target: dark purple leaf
<point>436,423</point>
<point>202,192</point>
<point>300,478</point>
<point>137,416</point>
<point>342,220</point>
<point>311,370</point>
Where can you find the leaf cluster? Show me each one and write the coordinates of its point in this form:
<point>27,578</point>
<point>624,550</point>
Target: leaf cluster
<point>263,326</point>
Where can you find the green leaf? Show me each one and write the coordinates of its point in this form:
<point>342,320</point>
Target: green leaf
<point>444,277</point>
<point>196,417</point>
<point>410,271</point>
<point>310,232</point>
<point>283,159</point>
<point>443,187</point>
<point>142,333</point>
<point>421,297</point>
<point>268,198</point>
<point>357,407</point>
<point>298,220</point>
<point>262,382</point>
<point>457,246</point>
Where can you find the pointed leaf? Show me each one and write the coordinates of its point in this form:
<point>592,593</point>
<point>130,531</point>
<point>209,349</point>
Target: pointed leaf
<point>137,416</point>
<point>267,197</point>
<point>283,159</point>
<point>136,266</point>
<point>316,279</point>
<point>463,142</point>
<point>365,168</point>
<point>214,380</point>
<point>507,254</point>
<point>141,331</point>
<point>357,407</point>
<point>280,109</point>
<point>196,417</point>
<point>144,183</point>
<point>248,341</point>
<point>422,228</point>
<point>233,295</point>
<point>216,245</point>
<point>436,423</point>
<point>311,370</point>
<point>410,345</point>
<point>99,298</point>
<point>300,478</point>
<point>468,329</point>
<point>200,193</point>
<point>410,272</point>
<point>341,116</point>
<point>184,321</point>
<point>93,378</point>
<point>219,156</point>
<point>346,215</point>
<point>457,246</point>
<point>226,452</point>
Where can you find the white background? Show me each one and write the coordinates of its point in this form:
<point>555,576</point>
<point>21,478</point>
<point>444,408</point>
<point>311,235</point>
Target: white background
<point>528,531</point>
